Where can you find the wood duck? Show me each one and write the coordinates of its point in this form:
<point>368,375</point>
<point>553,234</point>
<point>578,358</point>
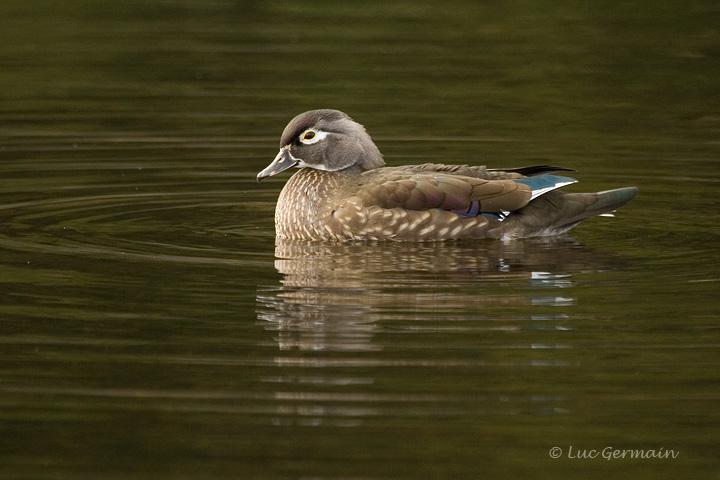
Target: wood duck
<point>344,191</point>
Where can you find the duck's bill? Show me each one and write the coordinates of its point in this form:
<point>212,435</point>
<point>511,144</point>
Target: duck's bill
<point>283,161</point>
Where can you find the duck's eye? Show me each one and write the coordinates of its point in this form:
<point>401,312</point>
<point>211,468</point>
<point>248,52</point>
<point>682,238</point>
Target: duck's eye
<point>309,137</point>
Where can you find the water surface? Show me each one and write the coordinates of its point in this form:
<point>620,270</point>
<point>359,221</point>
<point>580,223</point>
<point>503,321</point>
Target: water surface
<point>151,327</point>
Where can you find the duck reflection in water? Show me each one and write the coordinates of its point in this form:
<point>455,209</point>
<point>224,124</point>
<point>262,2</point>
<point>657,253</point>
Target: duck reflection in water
<point>334,296</point>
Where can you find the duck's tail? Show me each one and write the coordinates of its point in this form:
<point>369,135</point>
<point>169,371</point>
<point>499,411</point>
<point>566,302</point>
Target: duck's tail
<point>556,212</point>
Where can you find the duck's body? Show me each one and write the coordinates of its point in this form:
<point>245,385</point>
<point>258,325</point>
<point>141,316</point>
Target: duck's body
<point>343,192</point>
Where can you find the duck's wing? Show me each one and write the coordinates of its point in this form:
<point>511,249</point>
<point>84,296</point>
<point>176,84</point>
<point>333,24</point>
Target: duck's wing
<point>462,195</point>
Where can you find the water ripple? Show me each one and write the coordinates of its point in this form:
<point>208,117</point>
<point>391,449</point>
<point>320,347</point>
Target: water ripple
<point>147,226</point>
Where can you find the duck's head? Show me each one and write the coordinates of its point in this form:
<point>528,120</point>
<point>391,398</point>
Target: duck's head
<point>326,140</point>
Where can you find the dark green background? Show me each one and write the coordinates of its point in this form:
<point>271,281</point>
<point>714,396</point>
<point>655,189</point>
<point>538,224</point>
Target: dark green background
<point>149,328</point>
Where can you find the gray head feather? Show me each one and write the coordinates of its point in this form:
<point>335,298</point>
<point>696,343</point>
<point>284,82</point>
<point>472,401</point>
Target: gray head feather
<point>347,144</point>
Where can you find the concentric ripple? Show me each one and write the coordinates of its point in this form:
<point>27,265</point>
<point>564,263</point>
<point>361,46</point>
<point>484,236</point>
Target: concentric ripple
<point>171,210</point>
<point>163,227</point>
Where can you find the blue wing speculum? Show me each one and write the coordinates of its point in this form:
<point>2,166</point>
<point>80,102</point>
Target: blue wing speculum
<point>539,185</point>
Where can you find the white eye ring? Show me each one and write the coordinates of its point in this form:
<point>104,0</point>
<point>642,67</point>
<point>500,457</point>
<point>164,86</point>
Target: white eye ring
<point>319,135</point>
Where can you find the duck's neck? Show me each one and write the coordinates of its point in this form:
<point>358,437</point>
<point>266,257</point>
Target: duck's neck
<point>307,201</point>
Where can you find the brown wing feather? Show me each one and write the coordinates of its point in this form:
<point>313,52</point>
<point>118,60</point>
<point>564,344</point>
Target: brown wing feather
<point>424,191</point>
<point>502,195</point>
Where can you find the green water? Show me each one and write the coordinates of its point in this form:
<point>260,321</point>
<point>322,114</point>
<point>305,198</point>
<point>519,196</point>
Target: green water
<point>150,327</point>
